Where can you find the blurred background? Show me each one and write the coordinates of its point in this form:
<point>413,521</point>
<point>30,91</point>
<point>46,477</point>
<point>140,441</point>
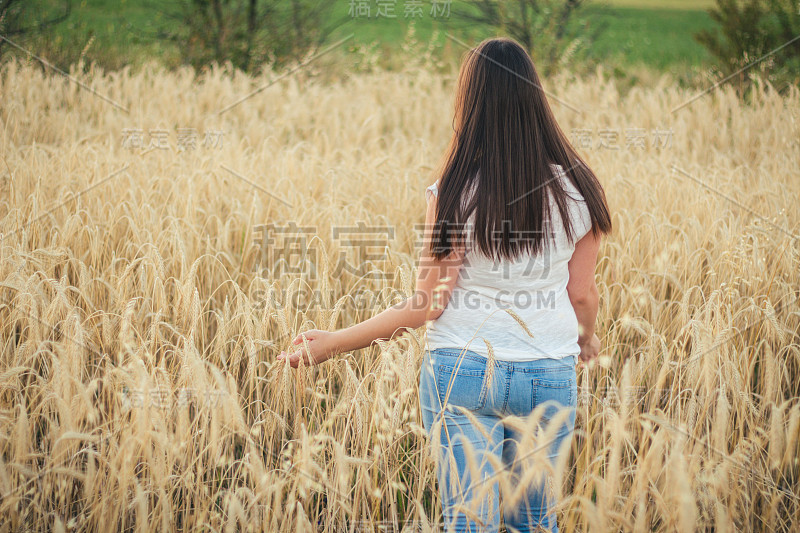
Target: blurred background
<point>694,40</point>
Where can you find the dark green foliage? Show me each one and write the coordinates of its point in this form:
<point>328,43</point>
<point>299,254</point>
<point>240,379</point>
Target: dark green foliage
<point>557,33</point>
<point>20,17</point>
<point>249,33</point>
<point>755,38</point>
<point>22,20</point>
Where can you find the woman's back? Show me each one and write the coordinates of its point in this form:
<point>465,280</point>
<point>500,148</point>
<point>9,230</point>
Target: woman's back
<point>490,295</point>
<point>527,306</point>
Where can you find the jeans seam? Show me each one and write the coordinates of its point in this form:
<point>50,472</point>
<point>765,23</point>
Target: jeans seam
<point>471,372</point>
<point>508,387</point>
<point>511,365</point>
<point>562,383</point>
<point>460,353</point>
<point>545,370</point>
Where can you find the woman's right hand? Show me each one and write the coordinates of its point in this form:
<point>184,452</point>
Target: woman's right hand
<point>589,350</point>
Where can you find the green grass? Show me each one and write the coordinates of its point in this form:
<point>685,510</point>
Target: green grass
<point>638,32</point>
<point>688,5</point>
<point>661,38</point>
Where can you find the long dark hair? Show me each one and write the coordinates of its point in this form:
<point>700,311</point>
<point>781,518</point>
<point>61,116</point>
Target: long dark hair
<point>504,128</point>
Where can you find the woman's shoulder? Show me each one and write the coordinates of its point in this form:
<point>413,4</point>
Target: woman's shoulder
<point>432,190</point>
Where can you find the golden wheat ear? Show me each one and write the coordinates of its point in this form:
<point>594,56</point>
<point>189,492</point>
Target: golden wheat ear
<point>139,388</point>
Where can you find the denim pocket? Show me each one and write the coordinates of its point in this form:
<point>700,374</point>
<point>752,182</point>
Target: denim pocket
<point>466,386</point>
<point>559,392</point>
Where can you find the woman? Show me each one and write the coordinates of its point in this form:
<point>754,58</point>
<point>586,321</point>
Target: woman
<point>505,285</point>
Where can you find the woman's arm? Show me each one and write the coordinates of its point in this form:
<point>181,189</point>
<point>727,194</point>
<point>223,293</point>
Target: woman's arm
<point>583,294</point>
<point>435,283</point>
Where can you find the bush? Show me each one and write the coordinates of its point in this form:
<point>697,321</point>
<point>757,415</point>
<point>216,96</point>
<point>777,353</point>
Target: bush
<point>557,33</point>
<point>755,38</point>
<point>249,33</point>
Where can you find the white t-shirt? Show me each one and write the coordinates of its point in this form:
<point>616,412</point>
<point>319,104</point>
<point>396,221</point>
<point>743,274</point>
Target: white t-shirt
<point>533,286</point>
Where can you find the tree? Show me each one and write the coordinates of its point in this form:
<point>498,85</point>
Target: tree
<point>552,31</point>
<point>755,37</point>
<point>248,33</point>
<point>21,19</point>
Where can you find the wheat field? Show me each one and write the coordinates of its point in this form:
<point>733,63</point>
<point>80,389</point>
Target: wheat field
<point>142,311</point>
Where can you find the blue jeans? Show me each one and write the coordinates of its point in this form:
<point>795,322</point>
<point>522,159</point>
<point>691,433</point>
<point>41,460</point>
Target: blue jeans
<point>516,388</point>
